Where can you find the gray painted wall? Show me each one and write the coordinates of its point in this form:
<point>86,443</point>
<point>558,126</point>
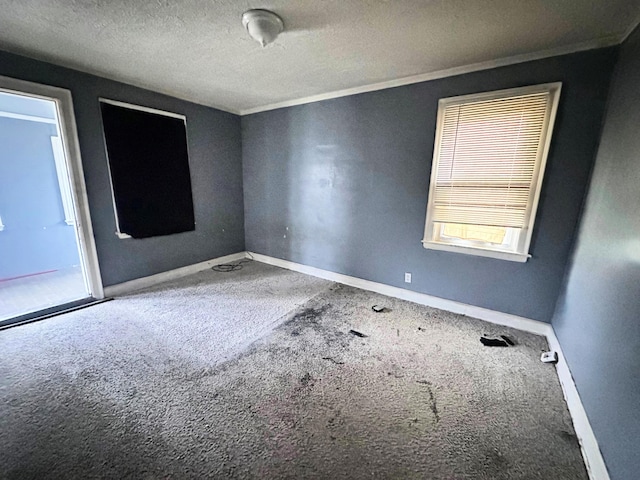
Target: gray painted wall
<point>598,316</point>
<point>216,174</point>
<point>342,185</point>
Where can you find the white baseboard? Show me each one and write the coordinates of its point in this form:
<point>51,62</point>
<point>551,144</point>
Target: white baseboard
<point>593,460</point>
<point>150,281</point>
<point>504,319</point>
<point>588,443</point>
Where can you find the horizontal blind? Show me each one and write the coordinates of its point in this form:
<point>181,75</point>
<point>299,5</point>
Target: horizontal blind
<point>487,160</point>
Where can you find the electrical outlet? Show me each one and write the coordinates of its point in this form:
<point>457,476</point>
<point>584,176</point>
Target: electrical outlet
<point>407,277</point>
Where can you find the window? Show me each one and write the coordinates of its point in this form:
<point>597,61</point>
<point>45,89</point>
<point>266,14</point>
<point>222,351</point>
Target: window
<point>148,162</point>
<point>488,162</point>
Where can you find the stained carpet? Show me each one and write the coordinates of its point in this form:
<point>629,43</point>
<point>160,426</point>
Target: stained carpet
<point>255,374</point>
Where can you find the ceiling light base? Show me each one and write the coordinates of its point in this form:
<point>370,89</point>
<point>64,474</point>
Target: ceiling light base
<point>263,26</point>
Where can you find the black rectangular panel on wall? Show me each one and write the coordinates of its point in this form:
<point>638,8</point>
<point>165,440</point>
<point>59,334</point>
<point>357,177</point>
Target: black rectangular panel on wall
<point>149,166</point>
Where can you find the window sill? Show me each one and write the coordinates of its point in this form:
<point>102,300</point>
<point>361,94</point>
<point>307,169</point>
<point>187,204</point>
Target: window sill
<point>479,252</point>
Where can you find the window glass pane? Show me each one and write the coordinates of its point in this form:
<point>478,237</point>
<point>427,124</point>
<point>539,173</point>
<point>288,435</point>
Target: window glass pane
<point>482,233</point>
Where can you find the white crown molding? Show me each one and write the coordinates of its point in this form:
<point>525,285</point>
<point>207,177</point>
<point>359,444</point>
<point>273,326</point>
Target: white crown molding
<point>449,72</point>
<point>152,280</point>
<point>423,77</point>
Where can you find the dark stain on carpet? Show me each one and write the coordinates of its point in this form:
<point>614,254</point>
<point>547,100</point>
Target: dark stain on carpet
<point>306,318</point>
<point>311,320</point>
<point>306,379</point>
<point>333,360</point>
<point>433,405</point>
<point>309,315</point>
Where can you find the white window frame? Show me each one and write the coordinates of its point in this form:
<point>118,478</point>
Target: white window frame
<point>519,250</point>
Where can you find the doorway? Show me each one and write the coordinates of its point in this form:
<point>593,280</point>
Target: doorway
<point>47,254</point>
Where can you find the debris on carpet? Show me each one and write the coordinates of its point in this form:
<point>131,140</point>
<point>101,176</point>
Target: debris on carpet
<point>333,360</point>
<point>501,341</point>
<point>358,334</point>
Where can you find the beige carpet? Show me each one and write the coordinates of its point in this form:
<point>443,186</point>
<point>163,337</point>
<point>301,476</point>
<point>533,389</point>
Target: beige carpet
<point>254,374</point>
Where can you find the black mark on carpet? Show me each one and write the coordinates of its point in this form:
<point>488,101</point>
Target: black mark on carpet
<point>333,360</point>
<point>335,420</point>
<point>358,334</point>
<point>432,399</point>
<point>309,318</point>
<point>501,341</point>
<point>434,405</point>
<point>315,320</point>
<point>309,315</point>
<point>306,379</point>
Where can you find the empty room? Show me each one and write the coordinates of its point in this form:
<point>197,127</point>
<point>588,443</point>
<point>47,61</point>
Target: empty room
<point>336,239</point>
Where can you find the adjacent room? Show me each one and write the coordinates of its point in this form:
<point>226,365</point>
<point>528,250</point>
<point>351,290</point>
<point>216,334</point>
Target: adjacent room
<point>355,239</point>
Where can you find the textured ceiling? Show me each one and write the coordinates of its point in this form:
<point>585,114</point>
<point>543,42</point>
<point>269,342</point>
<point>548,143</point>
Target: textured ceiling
<point>199,51</point>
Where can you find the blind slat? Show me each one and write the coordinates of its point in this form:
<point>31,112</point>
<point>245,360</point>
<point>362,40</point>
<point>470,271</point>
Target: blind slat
<point>487,159</point>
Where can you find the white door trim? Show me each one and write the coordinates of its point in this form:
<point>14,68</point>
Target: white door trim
<point>67,118</point>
